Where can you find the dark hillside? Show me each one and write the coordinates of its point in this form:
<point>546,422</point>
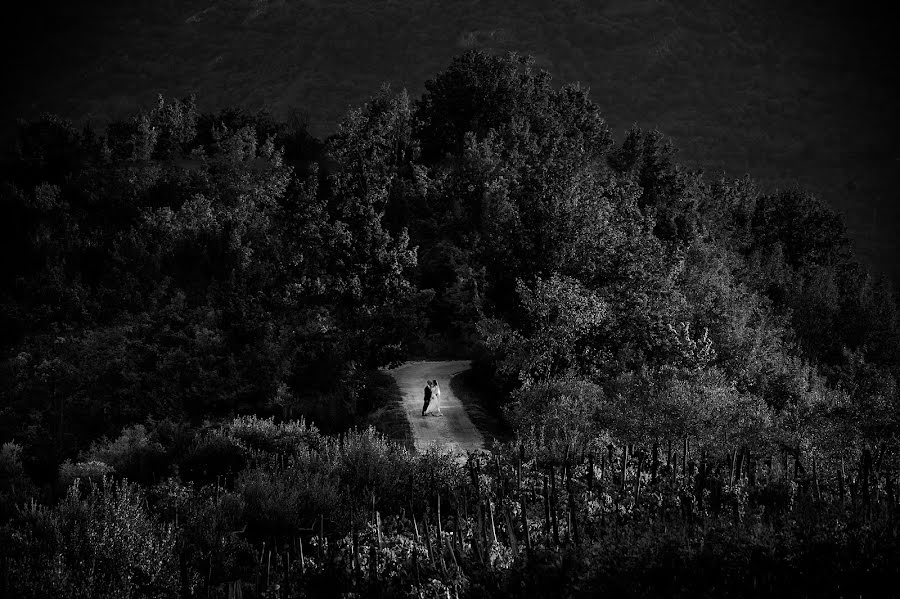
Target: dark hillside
<point>786,91</point>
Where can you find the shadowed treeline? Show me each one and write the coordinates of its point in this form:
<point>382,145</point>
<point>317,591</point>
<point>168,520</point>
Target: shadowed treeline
<point>701,369</point>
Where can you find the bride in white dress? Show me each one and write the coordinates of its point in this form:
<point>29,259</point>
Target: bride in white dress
<point>434,407</point>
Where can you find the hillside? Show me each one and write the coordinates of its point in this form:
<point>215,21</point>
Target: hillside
<point>798,93</point>
<point>697,378</point>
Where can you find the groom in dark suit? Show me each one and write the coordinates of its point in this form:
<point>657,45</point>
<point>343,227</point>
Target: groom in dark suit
<point>427,397</point>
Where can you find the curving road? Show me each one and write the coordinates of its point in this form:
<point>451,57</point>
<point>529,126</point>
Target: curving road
<point>454,430</point>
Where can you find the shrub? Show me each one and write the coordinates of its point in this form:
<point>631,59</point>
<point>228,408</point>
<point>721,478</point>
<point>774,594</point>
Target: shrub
<point>15,486</point>
<point>213,454</point>
<point>93,471</point>
<point>133,455</point>
<point>264,434</point>
<point>284,502</point>
<point>102,545</point>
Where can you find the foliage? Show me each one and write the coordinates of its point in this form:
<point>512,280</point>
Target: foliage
<point>701,375</point>
<point>99,542</point>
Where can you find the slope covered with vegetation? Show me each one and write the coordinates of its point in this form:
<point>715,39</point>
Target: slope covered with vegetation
<point>787,91</point>
<point>701,375</point>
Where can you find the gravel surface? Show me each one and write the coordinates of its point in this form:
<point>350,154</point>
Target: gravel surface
<point>454,430</point>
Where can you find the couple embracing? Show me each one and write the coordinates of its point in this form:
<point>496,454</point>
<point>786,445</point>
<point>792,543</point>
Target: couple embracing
<point>432,399</point>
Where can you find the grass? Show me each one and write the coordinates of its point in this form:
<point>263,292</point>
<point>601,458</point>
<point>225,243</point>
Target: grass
<point>385,412</point>
<point>484,414</point>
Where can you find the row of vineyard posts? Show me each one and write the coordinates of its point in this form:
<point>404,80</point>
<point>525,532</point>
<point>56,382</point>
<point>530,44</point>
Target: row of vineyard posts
<point>513,503</point>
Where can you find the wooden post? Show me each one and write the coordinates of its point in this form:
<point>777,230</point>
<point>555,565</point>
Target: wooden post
<point>440,533</point>
<point>815,474</point>
<point>624,480</point>
<point>523,506</point>
<point>684,458</point>
<point>355,538</point>
<point>479,535</point>
<point>637,479</point>
<point>510,530</point>
<point>491,513</point>
<point>590,474</point>
<point>378,527</point>
<point>458,526</point>
<point>553,503</point>
<point>612,464</point>
<point>500,486</point>
<point>669,453</point>
<point>654,465</point>
<point>427,537</point>
<point>751,469</point>
<point>321,538</point>
<point>734,466</point>
<point>841,482</point>
<point>864,474</point>
<point>674,467</point>
<point>573,514</point>
<point>546,496</point>
<point>302,558</point>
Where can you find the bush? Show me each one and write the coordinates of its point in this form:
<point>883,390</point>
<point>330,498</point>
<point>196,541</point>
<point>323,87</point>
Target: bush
<point>15,486</point>
<point>283,503</point>
<point>213,454</point>
<point>92,471</point>
<point>264,434</point>
<point>134,455</point>
<point>103,545</point>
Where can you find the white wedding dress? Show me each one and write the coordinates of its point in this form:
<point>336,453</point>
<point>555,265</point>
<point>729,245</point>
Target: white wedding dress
<point>434,406</point>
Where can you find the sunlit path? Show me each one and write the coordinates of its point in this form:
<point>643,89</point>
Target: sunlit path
<point>454,430</point>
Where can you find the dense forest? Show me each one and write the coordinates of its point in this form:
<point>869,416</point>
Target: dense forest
<point>701,377</point>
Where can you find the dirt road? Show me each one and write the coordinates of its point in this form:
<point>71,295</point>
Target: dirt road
<point>454,430</point>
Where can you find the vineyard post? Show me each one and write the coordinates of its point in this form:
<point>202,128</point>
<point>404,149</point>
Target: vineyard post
<point>815,473</point>
<point>522,502</point>
<point>669,453</point>
<point>573,513</point>
<point>751,469</point>
<point>864,468</point>
<point>491,513</point>
<point>440,535</point>
<point>654,467</point>
<point>480,538</point>
<point>546,496</point>
<point>287,573</point>
<point>510,529</point>
<point>590,474</point>
<point>840,474</point>
<point>553,503</point>
<point>427,534</point>
<point>612,464</point>
<point>321,538</point>
<point>637,479</point>
<point>675,468</point>
<point>373,565</point>
<point>355,539</point>
<point>302,559</point>
<point>564,479</point>
<point>378,527</point>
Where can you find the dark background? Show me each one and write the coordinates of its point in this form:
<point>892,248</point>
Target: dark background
<point>799,91</point>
